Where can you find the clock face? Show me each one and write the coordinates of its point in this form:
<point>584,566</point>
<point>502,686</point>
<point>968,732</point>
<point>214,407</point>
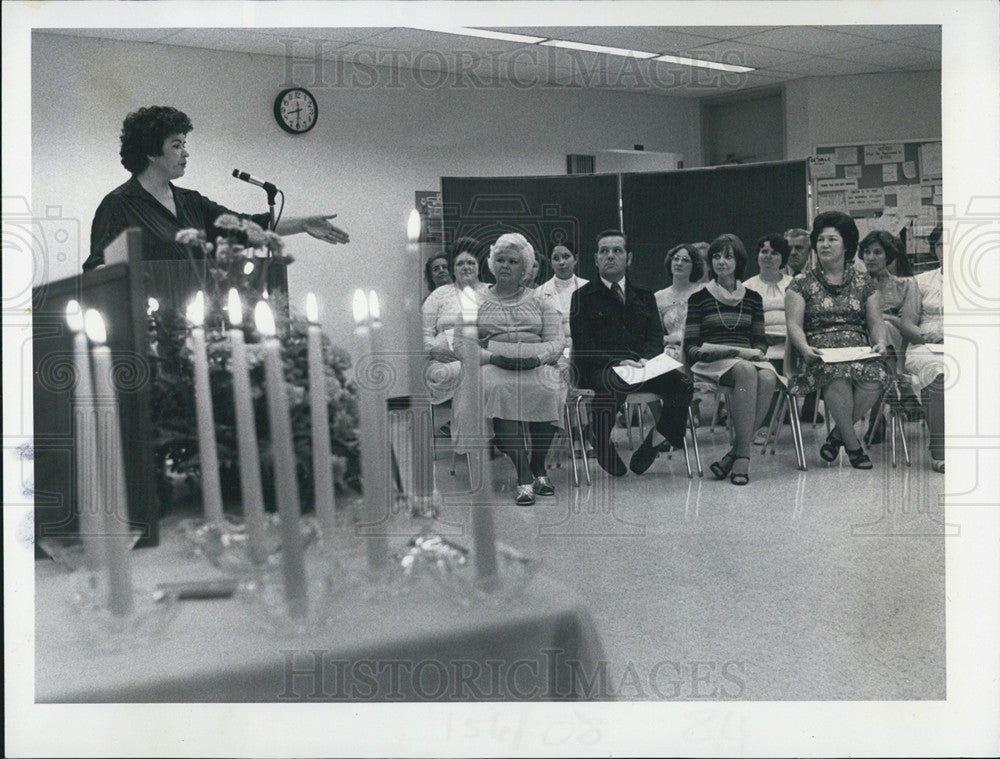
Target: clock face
<point>295,110</point>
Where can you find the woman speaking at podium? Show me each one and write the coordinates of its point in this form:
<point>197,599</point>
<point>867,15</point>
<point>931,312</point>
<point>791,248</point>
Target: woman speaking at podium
<point>154,150</point>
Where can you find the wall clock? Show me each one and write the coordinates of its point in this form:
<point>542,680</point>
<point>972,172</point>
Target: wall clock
<point>295,110</point>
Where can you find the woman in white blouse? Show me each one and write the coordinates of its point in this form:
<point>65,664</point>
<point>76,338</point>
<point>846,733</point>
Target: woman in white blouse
<point>771,283</point>
<point>442,311</point>
<point>559,290</point>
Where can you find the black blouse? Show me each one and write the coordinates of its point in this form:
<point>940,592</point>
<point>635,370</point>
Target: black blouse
<point>130,205</point>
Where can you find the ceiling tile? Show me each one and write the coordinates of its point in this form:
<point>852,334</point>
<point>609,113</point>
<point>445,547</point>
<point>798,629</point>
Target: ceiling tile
<point>927,41</point>
<point>122,35</point>
<point>721,32</point>
<point>888,33</point>
<point>645,38</point>
<point>891,55</point>
<point>232,40</point>
<point>805,39</point>
<point>742,53</point>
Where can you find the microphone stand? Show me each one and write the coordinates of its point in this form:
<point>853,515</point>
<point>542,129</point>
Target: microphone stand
<point>272,194</point>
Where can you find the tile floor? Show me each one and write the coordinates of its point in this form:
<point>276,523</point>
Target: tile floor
<point>826,584</point>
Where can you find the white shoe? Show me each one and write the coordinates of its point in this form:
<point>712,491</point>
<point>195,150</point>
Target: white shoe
<point>525,495</point>
<point>761,437</point>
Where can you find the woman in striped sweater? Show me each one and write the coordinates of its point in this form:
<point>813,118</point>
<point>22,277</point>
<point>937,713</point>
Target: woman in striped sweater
<point>724,342</point>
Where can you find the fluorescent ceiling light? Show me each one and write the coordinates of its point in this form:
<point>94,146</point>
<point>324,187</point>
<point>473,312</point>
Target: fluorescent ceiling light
<point>705,64</point>
<point>598,49</point>
<point>484,33</point>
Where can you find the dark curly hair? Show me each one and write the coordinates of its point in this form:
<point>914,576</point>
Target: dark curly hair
<point>894,249</point>
<point>697,263</point>
<point>845,227</point>
<point>465,245</point>
<point>428,277</point>
<point>731,243</point>
<point>144,131</point>
<point>778,244</point>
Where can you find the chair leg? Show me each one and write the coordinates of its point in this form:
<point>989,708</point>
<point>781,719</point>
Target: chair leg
<point>569,442</point>
<point>639,409</point>
<point>583,442</point>
<point>694,440</point>
<point>902,439</point>
<point>793,417</point>
<point>777,411</point>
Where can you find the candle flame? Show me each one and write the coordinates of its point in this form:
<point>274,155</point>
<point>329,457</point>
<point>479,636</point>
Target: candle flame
<point>373,307</point>
<point>196,310</point>
<point>248,267</point>
<point>234,307</point>
<point>360,307</point>
<point>74,315</point>
<point>470,306</point>
<point>152,305</point>
<point>265,319</point>
<point>94,324</point>
<point>312,309</point>
<point>413,226</point>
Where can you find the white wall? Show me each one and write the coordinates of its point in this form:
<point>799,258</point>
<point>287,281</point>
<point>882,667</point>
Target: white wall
<point>371,148</point>
<point>861,108</point>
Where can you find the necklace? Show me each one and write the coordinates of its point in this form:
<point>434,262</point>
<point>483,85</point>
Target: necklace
<point>738,316</point>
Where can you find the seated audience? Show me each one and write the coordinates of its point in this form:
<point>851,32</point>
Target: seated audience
<point>921,361</point>
<point>881,253</point>
<point>523,389</point>
<point>834,306</point>
<point>614,323</point>
<point>684,269</point>
<point>770,283</point>
<point>724,340</point>
<point>442,312</point>
<point>702,248</point>
<point>437,272</point>
<point>564,282</point>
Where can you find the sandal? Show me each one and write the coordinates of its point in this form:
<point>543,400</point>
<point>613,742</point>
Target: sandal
<point>937,465</point>
<point>723,466</point>
<point>740,478</point>
<point>831,448</point>
<point>858,458</point>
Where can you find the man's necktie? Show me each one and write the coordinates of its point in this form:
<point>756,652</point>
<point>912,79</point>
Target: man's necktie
<point>618,292</point>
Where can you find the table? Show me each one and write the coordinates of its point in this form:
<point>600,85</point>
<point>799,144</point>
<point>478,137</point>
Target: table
<point>418,647</point>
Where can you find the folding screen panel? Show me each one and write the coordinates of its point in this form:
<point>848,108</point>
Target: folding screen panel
<point>569,210</point>
<point>664,209</point>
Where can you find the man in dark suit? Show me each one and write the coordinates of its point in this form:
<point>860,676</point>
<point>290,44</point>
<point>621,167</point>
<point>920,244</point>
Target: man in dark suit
<point>615,323</point>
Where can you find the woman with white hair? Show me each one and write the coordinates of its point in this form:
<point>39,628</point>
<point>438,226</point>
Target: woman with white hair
<point>521,339</point>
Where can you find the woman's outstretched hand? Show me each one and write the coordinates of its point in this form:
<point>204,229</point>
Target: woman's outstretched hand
<point>321,228</point>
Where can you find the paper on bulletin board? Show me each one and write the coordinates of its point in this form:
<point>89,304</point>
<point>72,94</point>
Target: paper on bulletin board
<point>836,185</point>
<point>887,152</point>
<point>926,190</point>
<point>822,166</point>
<point>864,199</point>
<point>905,198</point>
<point>930,160</point>
<point>845,155</point>
<point>910,169</point>
<point>938,198</point>
<point>852,172</point>
<point>830,201</point>
<point>889,172</point>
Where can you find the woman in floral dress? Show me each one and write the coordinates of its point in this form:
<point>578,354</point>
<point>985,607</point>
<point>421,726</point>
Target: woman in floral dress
<point>832,305</point>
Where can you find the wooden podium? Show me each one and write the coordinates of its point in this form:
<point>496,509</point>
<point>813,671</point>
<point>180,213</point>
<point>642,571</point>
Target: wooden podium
<point>135,271</point>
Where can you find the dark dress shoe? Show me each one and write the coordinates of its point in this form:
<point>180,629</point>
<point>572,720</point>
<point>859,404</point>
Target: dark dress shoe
<point>643,457</point>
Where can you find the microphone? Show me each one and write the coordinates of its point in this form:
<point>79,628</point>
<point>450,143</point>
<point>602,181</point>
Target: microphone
<point>246,177</point>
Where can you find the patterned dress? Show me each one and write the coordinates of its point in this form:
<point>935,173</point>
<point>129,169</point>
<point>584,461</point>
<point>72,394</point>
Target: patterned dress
<point>522,327</point>
<point>673,313</point>
<point>835,317</point>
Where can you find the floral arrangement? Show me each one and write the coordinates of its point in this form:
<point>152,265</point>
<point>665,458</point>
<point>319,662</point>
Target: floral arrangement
<point>172,392</point>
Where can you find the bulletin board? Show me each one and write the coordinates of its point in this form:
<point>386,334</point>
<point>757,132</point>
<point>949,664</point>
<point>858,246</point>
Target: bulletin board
<point>893,186</point>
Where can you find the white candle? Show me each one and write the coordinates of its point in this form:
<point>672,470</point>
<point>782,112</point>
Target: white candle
<point>115,526</point>
<point>88,482</point>
<point>423,428</point>
<point>373,441</point>
<point>325,497</point>
<point>483,530</point>
<point>246,435</point>
<point>283,454</point>
<point>211,489</point>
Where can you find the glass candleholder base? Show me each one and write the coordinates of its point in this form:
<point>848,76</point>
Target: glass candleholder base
<point>226,544</point>
<point>111,622</point>
<point>69,552</point>
<point>464,583</point>
<point>265,595</point>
